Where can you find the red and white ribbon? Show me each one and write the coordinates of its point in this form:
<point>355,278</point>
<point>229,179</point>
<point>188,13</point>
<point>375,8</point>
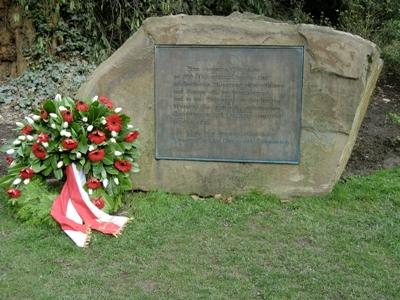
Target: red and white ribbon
<point>77,215</point>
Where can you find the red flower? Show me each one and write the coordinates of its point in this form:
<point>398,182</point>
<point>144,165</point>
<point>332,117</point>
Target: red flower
<point>97,137</point>
<point>67,116</point>
<point>96,155</point>
<point>38,151</point>
<point>99,202</point>
<point>131,136</point>
<point>26,173</point>
<point>9,160</point>
<point>13,193</point>
<point>27,129</point>
<point>114,122</point>
<point>44,114</point>
<point>123,165</point>
<point>104,100</point>
<point>93,183</point>
<point>69,144</point>
<point>81,106</point>
<point>43,137</point>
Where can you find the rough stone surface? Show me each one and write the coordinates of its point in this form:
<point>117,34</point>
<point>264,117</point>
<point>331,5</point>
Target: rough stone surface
<point>340,73</point>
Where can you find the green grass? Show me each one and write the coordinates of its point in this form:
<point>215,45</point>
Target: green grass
<point>344,245</point>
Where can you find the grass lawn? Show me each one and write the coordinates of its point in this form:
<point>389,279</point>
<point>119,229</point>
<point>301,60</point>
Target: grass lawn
<point>344,245</point>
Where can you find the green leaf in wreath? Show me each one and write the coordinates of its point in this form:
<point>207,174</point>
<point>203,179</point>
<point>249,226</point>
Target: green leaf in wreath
<point>47,171</point>
<point>53,162</point>
<point>58,173</point>
<point>66,160</point>
<point>96,168</point>
<point>15,168</point>
<point>118,147</point>
<point>125,183</point>
<point>103,173</point>
<point>127,146</point>
<point>38,167</point>
<point>92,112</point>
<point>87,166</point>
<point>108,161</point>
<point>83,146</point>
<point>111,170</point>
<point>5,181</point>
<point>49,106</point>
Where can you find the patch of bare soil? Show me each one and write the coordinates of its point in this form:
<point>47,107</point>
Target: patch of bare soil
<point>378,142</point>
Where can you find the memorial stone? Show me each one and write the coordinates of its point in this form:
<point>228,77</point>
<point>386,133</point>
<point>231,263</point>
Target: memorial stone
<point>228,104</point>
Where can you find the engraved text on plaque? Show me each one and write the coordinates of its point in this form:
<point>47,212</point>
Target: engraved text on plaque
<point>228,103</point>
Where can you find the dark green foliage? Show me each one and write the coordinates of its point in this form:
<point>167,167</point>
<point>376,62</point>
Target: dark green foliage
<point>34,204</point>
<point>378,21</point>
<point>94,29</point>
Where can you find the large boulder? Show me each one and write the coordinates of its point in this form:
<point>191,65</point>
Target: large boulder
<point>339,76</point>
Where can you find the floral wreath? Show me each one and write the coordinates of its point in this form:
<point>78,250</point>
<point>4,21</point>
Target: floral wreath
<point>86,142</point>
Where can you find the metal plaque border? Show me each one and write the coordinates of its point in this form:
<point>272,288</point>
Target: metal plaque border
<point>299,102</point>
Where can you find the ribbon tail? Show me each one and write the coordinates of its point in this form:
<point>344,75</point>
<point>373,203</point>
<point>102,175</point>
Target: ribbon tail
<point>76,213</point>
<point>65,214</point>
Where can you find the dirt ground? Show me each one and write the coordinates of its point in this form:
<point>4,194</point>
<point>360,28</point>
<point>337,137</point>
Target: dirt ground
<point>377,146</point>
<point>378,142</point>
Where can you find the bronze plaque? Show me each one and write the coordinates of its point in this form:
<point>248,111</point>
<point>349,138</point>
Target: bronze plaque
<point>228,103</point>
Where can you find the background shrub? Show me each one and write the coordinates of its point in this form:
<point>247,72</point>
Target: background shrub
<point>94,29</point>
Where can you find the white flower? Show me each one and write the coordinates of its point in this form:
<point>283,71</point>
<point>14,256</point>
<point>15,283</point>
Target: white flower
<point>65,133</point>
<point>10,151</point>
<point>53,115</point>
<point>17,181</point>
<point>60,164</point>
<point>114,133</point>
<point>17,142</point>
<point>90,191</point>
<point>112,140</point>
<point>29,138</point>
<point>118,153</point>
<point>62,108</point>
<point>78,155</point>
<point>116,180</point>
<point>45,144</point>
<point>60,149</point>
<point>91,147</point>
<point>53,126</point>
<point>30,121</point>
<point>95,98</point>
<point>36,117</point>
<point>90,128</point>
<point>130,126</point>
<point>65,124</point>
<point>118,109</point>
<point>19,124</point>
<point>26,181</point>
<point>103,121</point>
<point>22,137</point>
<point>57,97</point>
<point>105,182</point>
<point>84,119</point>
